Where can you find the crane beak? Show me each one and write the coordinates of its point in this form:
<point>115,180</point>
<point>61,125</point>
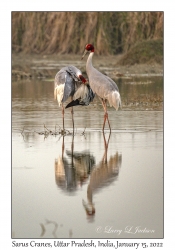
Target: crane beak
<point>84,54</point>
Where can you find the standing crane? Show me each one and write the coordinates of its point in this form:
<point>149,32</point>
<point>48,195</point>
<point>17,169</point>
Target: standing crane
<point>102,85</point>
<point>69,82</point>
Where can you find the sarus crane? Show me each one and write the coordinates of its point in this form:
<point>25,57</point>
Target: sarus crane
<point>69,82</point>
<point>103,86</point>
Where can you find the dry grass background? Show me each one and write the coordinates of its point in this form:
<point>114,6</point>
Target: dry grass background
<point>69,32</point>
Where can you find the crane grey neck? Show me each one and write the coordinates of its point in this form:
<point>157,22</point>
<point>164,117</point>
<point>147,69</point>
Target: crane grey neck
<point>89,63</point>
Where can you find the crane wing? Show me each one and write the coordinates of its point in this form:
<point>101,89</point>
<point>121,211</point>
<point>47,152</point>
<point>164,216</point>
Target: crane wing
<point>69,87</point>
<point>60,78</point>
<point>71,70</point>
<point>112,82</point>
<point>66,83</point>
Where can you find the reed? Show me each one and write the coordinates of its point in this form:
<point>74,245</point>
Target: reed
<point>69,32</point>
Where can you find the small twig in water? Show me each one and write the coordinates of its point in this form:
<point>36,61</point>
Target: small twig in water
<point>55,229</point>
<point>83,133</point>
<point>47,132</point>
<point>22,134</point>
<point>43,229</point>
<point>22,131</point>
<point>47,128</point>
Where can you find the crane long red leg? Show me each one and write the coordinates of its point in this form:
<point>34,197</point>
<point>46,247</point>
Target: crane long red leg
<point>105,115</point>
<point>106,143</point>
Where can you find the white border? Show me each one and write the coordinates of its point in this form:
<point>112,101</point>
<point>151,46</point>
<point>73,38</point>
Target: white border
<point>5,97</point>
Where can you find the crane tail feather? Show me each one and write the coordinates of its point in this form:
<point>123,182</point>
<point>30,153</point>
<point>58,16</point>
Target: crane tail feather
<point>114,99</point>
<point>58,93</point>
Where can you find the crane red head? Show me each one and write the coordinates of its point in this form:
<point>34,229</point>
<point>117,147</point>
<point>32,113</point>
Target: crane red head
<point>88,47</point>
<point>82,79</point>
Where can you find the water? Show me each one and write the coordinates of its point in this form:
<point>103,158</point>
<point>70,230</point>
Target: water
<point>90,185</point>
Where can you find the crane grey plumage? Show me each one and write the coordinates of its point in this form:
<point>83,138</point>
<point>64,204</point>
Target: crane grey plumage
<point>66,81</point>
<point>102,85</point>
<point>69,82</point>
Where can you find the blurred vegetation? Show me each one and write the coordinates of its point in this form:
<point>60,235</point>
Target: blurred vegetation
<point>68,32</point>
<point>150,51</point>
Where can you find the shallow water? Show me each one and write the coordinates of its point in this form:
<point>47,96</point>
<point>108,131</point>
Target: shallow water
<point>90,185</point>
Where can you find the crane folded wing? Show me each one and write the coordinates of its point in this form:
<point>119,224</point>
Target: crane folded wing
<point>83,96</point>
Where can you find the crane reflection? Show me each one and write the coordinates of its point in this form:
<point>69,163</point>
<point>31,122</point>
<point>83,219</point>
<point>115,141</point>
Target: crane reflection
<point>102,175</point>
<point>75,168</point>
